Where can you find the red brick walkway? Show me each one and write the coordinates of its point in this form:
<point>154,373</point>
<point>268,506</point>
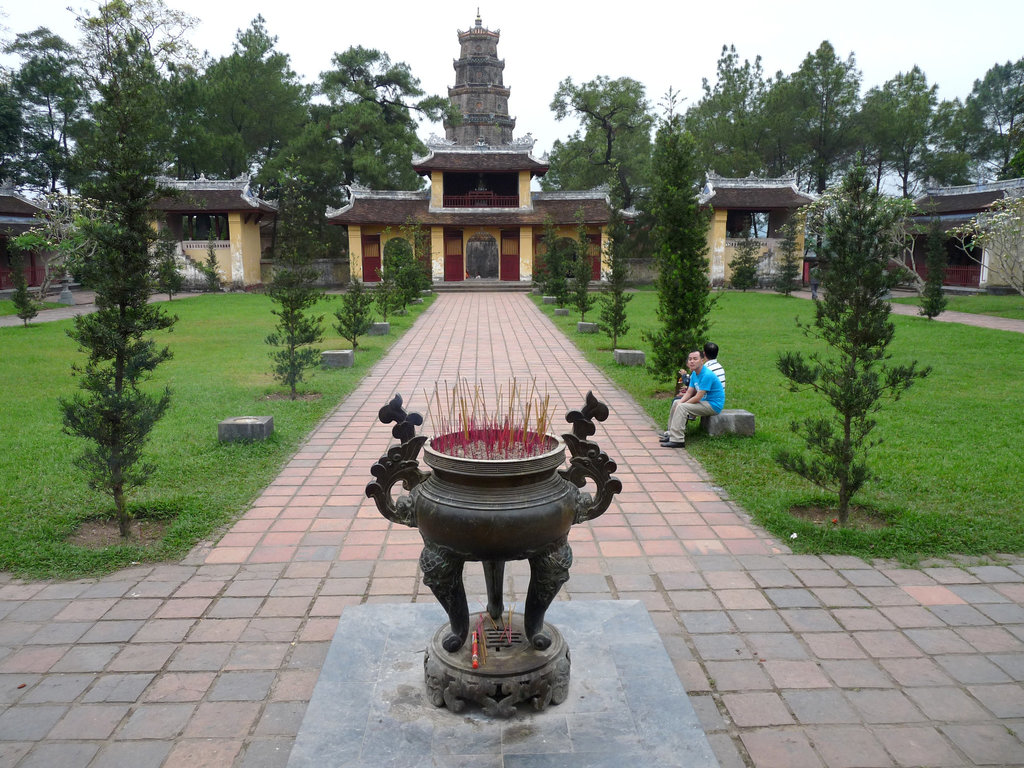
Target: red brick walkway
<point>790,660</point>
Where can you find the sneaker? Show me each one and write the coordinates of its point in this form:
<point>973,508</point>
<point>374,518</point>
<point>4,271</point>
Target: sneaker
<point>673,444</point>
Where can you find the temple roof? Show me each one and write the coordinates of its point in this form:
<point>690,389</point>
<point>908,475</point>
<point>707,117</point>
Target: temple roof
<point>213,195</point>
<point>13,204</point>
<point>753,192</point>
<point>480,158</point>
<point>969,198</point>
<point>395,208</point>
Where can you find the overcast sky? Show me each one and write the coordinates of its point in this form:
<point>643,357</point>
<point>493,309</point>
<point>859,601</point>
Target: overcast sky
<point>661,44</point>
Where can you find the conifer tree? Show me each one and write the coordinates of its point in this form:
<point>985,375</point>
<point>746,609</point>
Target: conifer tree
<point>354,315</point>
<point>209,268</point>
<point>853,321</point>
<point>744,263</point>
<point>582,299</point>
<point>169,278</point>
<point>111,410</point>
<point>552,270</point>
<point>613,299</point>
<point>294,289</point>
<point>789,259</point>
<point>680,237</point>
<point>933,300</point>
<point>24,305</point>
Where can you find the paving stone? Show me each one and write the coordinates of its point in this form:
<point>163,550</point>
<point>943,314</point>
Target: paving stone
<point>89,721</point>
<point>756,709</point>
<point>972,669</point>
<point>820,706</point>
<point>222,720</point>
<point>810,620</point>
<point>142,658</point>
<point>775,645</point>
<point>721,647</point>
<point>156,721</point>
<point>848,746</point>
<point>180,686</point>
<point>886,645</point>
<point>914,746</point>
<point>856,674</point>
<point>66,755</point>
<point>796,674</point>
<point>118,687</point>
<point>774,748</point>
<point>29,723</point>
<point>793,598</point>
<point>737,676</point>
<point>854,619</point>
<point>1003,701</point>
<point>267,753</point>
<point>884,706</point>
<point>86,658</point>
<point>58,688</point>
<point>916,672</point>
<point>200,656</point>
<point>281,718</point>
<point>946,704</point>
<point>241,686</point>
<point>988,744</point>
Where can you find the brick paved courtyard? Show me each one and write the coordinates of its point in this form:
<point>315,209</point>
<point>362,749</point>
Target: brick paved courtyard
<point>789,660</point>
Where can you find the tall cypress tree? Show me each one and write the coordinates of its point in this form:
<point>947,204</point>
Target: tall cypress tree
<point>933,300</point>
<point>111,410</point>
<point>680,237</point>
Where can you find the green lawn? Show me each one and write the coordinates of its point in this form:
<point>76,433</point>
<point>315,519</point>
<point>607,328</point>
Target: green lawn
<point>950,467</point>
<point>1010,306</point>
<point>220,369</point>
<point>7,307</point>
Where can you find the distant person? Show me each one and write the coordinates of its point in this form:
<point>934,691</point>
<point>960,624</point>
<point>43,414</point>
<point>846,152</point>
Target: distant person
<point>704,397</point>
<point>815,276</point>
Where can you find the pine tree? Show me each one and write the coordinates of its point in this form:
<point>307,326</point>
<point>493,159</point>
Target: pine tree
<point>169,278</point>
<point>354,315</point>
<point>552,270</point>
<point>209,268</point>
<point>294,289</point>
<point>789,259</point>
<point>744,263</point>
<point>613,299</point>
<point>853,320</point>
<point>111,410</point>
<point>933,300</point>
<point>386,295</point>
<point>582,299</point>
<point>680,236</point>
<point>24,305</point>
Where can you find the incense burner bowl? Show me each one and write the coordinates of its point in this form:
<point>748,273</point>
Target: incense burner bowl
<point>495,510</point>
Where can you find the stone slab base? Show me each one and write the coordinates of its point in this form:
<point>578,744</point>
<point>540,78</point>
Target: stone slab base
<point>379,329</point>
<point>582,327</point>
<point>245,428</point>
<point>630,357</point>
<point>730,421</point>
<point>337,358</point>
<point>562,312</point>
<point>625,705</point>
<point>548,299</point>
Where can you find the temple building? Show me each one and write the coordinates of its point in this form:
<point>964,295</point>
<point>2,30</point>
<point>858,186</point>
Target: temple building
<point>485,222</point>
<point>758,207</point>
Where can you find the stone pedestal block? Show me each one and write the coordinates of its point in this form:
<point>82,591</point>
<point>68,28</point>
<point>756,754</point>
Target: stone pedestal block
<point>379,329</point>
<point>731,421</point>
<point>549,299</point>
<point>337,358</point>
<point>586,327</point>
<point>562,312</point>
<point>630,357</point>
<point>245,428</point>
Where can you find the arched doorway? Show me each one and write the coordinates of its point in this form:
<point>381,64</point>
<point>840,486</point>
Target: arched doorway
<point>482,257</point>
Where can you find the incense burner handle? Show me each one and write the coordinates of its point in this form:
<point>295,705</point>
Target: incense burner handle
<point>589,461</point>
<point>399,464</point>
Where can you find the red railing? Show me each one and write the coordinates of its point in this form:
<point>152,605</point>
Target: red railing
<point>964,276</point>
<point>33,276</point>
<point>481,200</point>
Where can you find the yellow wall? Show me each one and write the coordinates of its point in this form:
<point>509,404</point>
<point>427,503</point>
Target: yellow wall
<point>355,251</point>
<point>525,198</point>
<point>721,250</point>
<point>526,253</point>
<point>436,189</point>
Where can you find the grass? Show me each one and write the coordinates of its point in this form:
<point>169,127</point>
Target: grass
<point>220,369</point>
<point>7,307</point>
<point>950,469</point>
<point>1010,306</point>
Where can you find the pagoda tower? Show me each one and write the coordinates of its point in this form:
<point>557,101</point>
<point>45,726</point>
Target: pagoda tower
<point>479,91</point>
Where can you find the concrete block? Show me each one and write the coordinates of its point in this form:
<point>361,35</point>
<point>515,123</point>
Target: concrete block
<point>630,357</point>
<point>549,299</point>
<point>562,312</point>
<point>245,428</point>
<point>379,329</point>
<point>417,301</point>
<point>337,358</point>
<point>731,421</point>
<point>586,327</point>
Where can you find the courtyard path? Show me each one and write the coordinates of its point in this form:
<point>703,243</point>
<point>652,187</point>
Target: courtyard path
<point>789,660</point>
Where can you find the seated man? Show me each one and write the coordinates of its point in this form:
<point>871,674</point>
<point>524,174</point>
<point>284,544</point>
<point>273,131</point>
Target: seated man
<point>705,396</point>
<point>710,355</point>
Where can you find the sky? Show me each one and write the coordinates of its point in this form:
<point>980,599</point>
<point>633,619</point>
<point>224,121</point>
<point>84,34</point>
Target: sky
<point>661,44</point>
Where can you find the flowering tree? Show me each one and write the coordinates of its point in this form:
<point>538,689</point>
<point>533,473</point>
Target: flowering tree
<point>999,232</point>
<point>58,236</point>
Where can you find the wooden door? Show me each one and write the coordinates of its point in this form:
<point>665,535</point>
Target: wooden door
<point>371,258</point>
<point>454,262</point>
<point>510,255</point>
<point>594,253</point>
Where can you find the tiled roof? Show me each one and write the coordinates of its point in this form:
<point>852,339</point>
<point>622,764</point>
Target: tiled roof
<point>970,198</point>
<point>753,192</point>
<point>12,204</point>
<point>397,207</point>
<point>214,195</point>
<point>479,159</point>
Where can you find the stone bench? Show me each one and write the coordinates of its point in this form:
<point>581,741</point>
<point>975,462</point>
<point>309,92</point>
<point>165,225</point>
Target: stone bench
<point>379,329</point>
<point>629,357</point>
<point>582,327</point>
<point>337,358</point>
<point>731,421</point>
<point>562,312</point>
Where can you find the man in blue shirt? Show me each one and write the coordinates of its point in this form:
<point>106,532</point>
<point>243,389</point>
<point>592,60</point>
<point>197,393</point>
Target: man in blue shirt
<point>705,396</point>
